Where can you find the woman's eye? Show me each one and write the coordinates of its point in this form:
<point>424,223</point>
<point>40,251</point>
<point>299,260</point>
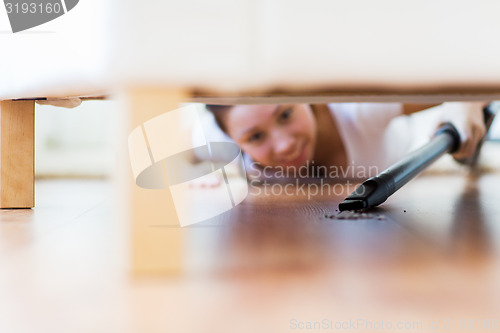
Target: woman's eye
<point>256,137</point>
<point>286,114</point>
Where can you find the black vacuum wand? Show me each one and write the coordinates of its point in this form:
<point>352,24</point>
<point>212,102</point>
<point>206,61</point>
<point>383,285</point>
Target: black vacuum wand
<point>376,190</point>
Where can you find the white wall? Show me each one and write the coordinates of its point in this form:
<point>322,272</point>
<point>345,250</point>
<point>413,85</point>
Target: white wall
<point>75,142</point>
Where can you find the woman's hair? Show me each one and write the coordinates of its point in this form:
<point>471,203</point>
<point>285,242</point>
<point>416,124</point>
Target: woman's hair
<point>219,112</point>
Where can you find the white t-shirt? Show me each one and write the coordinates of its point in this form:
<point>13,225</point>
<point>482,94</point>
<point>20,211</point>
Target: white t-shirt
<point>373,134</point>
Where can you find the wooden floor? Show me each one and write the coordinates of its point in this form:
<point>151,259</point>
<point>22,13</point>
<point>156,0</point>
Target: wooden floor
<point>427,260</point>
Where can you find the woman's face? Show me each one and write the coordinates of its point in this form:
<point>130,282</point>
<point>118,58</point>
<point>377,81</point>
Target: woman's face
<point>274,135</point>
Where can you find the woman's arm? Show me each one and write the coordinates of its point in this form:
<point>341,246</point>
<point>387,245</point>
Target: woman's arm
<point>467,117</point>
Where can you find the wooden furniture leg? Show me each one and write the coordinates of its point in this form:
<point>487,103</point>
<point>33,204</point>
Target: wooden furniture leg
<point>156,234</point>
<point>17,154</point>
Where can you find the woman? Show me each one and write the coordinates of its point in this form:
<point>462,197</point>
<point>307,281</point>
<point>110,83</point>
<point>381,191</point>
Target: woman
<point>341,134</point>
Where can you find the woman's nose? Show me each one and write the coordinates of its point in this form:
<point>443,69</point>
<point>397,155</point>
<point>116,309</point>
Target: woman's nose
<point>283,144</point>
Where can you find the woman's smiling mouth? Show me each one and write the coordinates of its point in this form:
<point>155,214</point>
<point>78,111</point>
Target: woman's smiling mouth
<point>298,158</point>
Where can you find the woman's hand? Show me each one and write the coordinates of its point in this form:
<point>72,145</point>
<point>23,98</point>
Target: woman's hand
<point>468,119</point>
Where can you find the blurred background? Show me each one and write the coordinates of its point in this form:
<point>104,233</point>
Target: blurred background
<point>76,142</point>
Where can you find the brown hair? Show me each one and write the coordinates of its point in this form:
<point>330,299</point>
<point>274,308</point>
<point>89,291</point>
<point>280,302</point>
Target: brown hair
<point>219,112</point>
